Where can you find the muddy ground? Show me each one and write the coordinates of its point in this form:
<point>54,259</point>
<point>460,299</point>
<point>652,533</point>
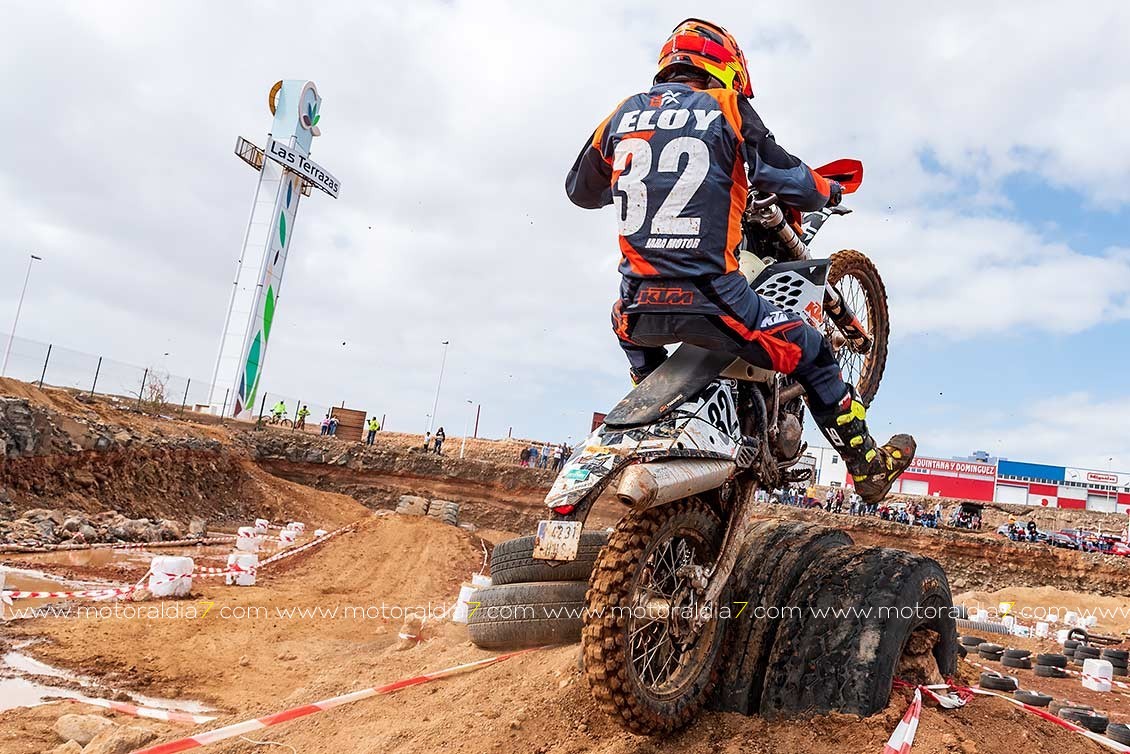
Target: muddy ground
<point>290,640</point>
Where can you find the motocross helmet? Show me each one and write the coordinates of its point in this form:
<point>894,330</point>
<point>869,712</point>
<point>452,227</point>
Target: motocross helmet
<point>708,47</point>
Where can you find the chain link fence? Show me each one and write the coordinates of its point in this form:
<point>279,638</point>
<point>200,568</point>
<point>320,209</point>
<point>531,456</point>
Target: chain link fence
<point>152,387</point>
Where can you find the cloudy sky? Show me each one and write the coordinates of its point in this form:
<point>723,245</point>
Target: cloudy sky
<point>995,203</point>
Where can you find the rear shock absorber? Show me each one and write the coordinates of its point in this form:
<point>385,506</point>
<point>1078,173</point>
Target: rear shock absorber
<point>765,211</point>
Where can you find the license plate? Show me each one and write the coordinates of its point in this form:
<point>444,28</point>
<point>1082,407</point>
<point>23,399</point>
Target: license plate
<point>557,540</point>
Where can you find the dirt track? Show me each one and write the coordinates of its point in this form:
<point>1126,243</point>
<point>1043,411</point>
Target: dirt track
<point>263,663</point>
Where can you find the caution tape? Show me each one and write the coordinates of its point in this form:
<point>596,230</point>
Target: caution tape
<point>1069,671</point>
<point>1097,738</point>
<point>172,716</point>
<point>20,594</point>
<point>239,729</point>
<point>903,736</point>
<point>295,550</point>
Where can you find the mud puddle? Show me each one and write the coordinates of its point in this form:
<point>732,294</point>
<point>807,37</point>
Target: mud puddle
<point>27,682</point>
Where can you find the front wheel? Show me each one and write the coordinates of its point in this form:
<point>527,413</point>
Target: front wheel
<point>857,279</point>
<point>645,661</point>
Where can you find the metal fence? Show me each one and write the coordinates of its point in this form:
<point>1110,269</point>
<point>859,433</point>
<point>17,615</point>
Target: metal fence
<point>152,387</point>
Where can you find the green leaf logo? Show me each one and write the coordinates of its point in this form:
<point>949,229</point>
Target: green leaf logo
<point>282,229</point>
<point>268,313</point>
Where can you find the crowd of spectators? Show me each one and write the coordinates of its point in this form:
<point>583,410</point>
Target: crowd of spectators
<point>841,500</point>
<point>545,456</point>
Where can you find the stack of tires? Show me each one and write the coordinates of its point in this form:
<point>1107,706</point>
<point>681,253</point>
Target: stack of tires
<point>1069,647</point>
<point>970,643</point>
<point>1032,698</point>
<point>1017,658</point>
<point>445,511</point>
<point>1118,659</point>
<point>989,651</point>
<point>1051,665</point>
<point>1085,652</point>
<point>412,505</point>
<point>1083,715</point>
<point>532,602</point>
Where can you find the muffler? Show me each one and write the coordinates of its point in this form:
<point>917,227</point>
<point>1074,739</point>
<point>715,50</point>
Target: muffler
<point>644,485</point>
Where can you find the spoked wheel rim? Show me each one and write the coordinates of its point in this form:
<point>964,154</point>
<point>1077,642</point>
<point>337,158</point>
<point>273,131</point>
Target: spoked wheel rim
<point>665,652</point>
<point>858,282</point>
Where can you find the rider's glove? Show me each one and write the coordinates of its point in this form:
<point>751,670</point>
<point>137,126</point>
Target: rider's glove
<point>835,193</point>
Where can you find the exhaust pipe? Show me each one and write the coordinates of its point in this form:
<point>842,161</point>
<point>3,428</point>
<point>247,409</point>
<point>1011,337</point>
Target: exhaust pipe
<point>645,485</point>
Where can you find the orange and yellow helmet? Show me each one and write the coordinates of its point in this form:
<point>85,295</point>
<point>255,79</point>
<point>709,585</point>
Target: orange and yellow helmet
<point>710,48</point>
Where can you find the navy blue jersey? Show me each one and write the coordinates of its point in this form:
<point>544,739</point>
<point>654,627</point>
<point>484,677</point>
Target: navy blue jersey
<point>675,161</point>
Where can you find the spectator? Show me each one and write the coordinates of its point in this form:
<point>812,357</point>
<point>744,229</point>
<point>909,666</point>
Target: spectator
<point>279,411</point>
<point>427,441</point>
<point>333,426</point>
<point>440,437</point>
<point>546,454</point>
<point>534,456</point>
<point>374,427</point>
<point>302,414</point>
<point>558,457</point>
<point>524,457</point>
<point>326,425</point>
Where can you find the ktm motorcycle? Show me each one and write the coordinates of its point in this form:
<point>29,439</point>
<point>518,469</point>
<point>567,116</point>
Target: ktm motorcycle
<point>686,449</point>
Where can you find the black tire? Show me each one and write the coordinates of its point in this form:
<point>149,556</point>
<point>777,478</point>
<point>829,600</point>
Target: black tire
<point>1012,662</point>
<point>991,656</point>
<point>1119,656</point>
<point>1032,698</point>
<point>1086,653</point>
<point>1018,654</point>
<point>1057,706</point>
<point>971,641</point>
<point>1048,671</point>
<point>1071,644</point>
<point>513,562</point>
<point>614,679</point>
<point>997,682</point>
<point>1078,634</point>
<point>412,505</point>
<point>865,293</point>
<point>1052,660</point>
<point>991,648</point>
<point>1120,671</point>
<point>823,663</point>
<point>776,555</point>
<point>513,616</point>
<point>446,511</point>
<point>1119,732</point>
<point>1095,722</point>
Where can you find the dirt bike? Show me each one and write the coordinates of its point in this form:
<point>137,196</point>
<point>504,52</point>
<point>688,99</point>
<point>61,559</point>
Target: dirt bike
<point>687,448</point>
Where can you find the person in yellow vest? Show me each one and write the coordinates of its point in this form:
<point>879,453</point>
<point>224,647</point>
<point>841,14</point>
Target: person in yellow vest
<point>374,427</point>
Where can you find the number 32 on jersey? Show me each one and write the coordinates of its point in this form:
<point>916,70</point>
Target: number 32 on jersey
<point>633,161</point>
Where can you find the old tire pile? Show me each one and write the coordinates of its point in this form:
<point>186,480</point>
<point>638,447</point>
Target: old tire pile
<point>1032,698</point>
<point>970,642</point>
<point>990,651</point>
<point>445,511</point>
<point>994,681</point>
<point>1085,652</point>
<point>1095,722</point>
<point>819,657</point>
<point>532,602</point>
<point>412,505</point>
<point>1069,648</point>
<point>1117,659</point>
<point>1017,658</point>
<point>1051,665</point>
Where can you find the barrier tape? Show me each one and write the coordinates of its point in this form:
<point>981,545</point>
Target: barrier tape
<point>295,550</point>
<point>903,736</point>
<point>1039,712</point>
<point>172,716</point>
<point>213,540</point>
<point>1065,670</point>
<point>239,729</point>
<point>8,595</point>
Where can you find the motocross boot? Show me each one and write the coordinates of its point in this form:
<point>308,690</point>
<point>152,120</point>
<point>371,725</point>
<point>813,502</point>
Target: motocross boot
<point>874,468</point>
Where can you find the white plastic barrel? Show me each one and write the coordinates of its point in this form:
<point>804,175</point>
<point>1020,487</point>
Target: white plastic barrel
<point>1097,674</point>
<point>261,525</point>
<point>1061,636</point>
<point>1004,608</point>
<point>1090,621</point>
<point>170,576</point>
<point>320,532</point>
<point>461,607</point>
<point>246,563</point>
<point>1042,629</point>
<point>298,526</point>
<point>1019,630</point>
<point>1009,621</point>
<point>1070,618</point>
<point>287,536</point>
<point>248,539</point>
<point>980,615</point>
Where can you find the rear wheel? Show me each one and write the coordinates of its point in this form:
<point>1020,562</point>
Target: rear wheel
<point>645,662</point>
<point>857,279</point>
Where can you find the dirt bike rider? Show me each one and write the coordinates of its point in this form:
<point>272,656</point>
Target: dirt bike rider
<point>675,159</point>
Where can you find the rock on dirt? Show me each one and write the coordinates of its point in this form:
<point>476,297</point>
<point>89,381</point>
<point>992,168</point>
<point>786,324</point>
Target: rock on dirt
<point>81,728</point>
<point>120,740</point>
<point>70,747</point>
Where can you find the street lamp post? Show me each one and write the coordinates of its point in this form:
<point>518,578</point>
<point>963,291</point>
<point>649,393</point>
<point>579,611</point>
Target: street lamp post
<point>466,426</point>
<point>19,307</point>
<point>439,384</point>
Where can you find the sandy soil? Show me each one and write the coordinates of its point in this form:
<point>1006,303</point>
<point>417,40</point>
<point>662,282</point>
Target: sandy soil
<point>537,702</point>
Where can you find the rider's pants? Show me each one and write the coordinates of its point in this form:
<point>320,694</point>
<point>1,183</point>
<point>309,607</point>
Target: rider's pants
<point>725,315</point>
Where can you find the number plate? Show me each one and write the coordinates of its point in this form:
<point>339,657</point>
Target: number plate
<point>557,540</point>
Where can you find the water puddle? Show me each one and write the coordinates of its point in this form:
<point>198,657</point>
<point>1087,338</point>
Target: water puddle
<point>103,557</point>
<point>22,685</point>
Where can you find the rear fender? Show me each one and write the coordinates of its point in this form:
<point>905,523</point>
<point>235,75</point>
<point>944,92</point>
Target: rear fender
<point>705,427</point>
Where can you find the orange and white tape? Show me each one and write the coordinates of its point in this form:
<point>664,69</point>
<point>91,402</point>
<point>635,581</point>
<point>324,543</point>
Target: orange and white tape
<point>903,737</point>
<point>247,726</point>
<point>300,548</point>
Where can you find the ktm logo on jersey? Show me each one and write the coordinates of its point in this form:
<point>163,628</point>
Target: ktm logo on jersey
<point>667,296</point>
<point>668,120</point>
